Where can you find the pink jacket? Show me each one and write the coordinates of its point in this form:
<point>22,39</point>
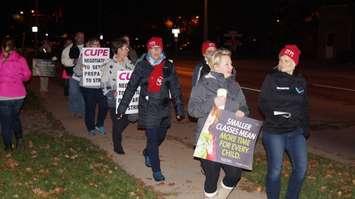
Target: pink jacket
<point>13,72</point>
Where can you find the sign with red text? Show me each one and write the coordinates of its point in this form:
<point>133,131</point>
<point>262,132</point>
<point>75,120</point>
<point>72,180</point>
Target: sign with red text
<point>228,139</point>
<point>95,56</point>
<point>93,59</point>
<point>123,78</point>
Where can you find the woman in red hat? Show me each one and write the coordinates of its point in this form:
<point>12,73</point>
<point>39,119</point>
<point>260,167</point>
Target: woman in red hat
<point>284,103</point>
<point>157,79</point>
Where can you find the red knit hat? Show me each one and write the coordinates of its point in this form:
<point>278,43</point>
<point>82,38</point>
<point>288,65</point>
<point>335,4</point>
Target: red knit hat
<point>155,42</point>
<point>206,44</point>
<point>292,51</point>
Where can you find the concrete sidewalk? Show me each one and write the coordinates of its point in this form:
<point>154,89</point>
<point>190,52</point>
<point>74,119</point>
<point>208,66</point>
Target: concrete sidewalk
<point>183,174</point>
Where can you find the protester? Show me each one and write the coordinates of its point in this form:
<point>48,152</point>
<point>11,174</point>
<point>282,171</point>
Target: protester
<point>45,52</point>
<point>284,103</point>
<point>69,59</point>
<point>92,96</point>
<point>202,68</point>
<point>14,71</point>
<point>157,78</point>
<point>132,54</point>
<point>119,62</point>
<point>64,74</point>
<point>203,98</point>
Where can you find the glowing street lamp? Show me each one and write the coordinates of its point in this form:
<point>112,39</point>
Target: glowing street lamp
<point>176,32</point>
<point>35,29</point>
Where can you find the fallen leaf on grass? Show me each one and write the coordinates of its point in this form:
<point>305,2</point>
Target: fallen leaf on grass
<point>259,189</point>
<point>57,190</point>
<point>40,193</point>
<point>30,144</point>
<point>11,163</point>
<point>28,169</point>
<point>340,193</point>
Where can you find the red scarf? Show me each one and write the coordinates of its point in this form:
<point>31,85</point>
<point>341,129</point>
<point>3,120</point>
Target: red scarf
<point>156,78</point>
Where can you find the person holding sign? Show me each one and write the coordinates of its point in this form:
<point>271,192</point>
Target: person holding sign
<point>90,86</point>
<point>284,103</point>
<point>157,79</point>
<point>109,82</point>
<point>217,90</point>
<point>14,71</point>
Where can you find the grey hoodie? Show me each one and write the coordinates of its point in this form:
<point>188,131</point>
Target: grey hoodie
<point>203,94</point>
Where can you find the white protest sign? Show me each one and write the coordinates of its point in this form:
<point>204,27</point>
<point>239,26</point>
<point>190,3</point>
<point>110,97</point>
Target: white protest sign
<point>93,58</point>
<point>43,68</point>
<point>91,75</point>
<point>123,78</point>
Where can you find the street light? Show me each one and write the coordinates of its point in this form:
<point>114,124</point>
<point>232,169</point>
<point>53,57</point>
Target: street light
<point>34,29</point>
<point>176,32</point>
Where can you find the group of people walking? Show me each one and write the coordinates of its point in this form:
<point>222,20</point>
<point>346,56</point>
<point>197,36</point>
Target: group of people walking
<point>283,102</point>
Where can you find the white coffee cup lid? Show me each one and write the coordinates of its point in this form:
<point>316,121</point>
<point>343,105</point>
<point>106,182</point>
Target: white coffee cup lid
<point>222,92</point>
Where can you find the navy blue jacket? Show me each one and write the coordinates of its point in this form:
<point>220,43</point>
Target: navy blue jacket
<point>154,108</point>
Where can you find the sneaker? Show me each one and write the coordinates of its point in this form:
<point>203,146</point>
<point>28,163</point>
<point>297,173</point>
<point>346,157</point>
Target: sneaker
<point>91,132</point>
<point>100,130</point>
<point>158,176</point>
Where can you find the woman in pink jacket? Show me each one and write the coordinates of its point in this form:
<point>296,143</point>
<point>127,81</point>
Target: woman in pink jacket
<point>13,72</point>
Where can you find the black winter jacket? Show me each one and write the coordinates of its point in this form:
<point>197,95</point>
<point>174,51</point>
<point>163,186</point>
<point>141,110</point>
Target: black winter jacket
<point>284,103</point>
<point>154,108</point>
<point>200,70</point>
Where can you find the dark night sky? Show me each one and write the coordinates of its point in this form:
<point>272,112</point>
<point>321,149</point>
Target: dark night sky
<point>132,14</point>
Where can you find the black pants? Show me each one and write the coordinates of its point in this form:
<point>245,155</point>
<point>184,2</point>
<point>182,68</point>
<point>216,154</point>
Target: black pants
<point>155,137</point>
<point>66,87</point>
<point>93,97</point>
<point>10,120</point>
<point>118,126</point>
<point>212,170</point>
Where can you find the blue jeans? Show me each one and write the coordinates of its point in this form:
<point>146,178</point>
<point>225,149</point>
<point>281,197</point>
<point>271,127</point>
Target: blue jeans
<point>155,136</point>
<point>10,120</point>
<point>76,100</point>
<point>275,145</point>
<point>93,97</point>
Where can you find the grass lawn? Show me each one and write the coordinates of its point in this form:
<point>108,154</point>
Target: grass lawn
<point>57,165</point>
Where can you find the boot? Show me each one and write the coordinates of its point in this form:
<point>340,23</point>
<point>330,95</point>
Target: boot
<point>224,191</point>
<point>211,195</point>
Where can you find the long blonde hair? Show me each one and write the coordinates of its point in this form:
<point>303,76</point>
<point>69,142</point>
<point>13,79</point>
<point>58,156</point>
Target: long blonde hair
<point>215,59</point>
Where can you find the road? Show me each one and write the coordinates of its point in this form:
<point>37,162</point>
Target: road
<point>332,101</point>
